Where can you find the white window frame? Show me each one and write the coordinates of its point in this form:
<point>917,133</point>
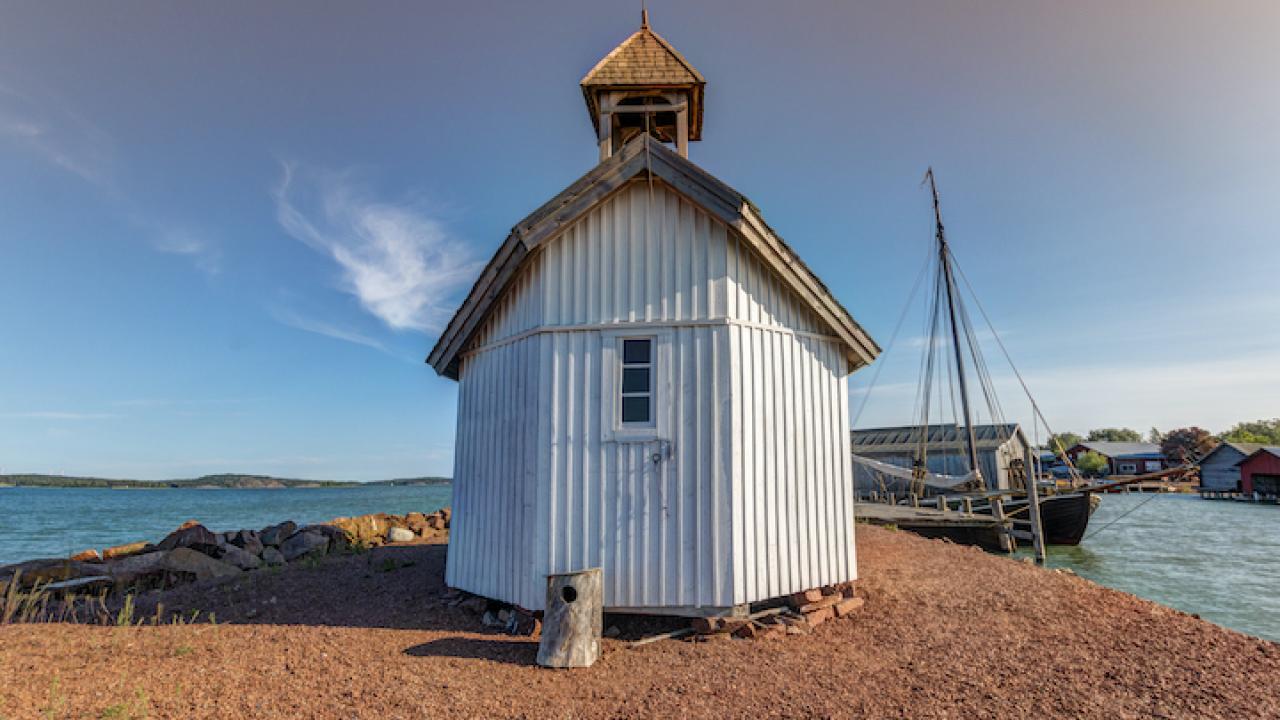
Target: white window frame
<point>611,384</point>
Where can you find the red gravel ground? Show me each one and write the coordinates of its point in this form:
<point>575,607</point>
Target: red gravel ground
<point>947,632</point>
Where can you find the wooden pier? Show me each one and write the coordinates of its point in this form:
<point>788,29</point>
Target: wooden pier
<point>967,520</point>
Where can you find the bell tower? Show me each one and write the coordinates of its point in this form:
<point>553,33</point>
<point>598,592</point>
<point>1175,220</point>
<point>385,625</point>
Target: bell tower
<point>644,85</point>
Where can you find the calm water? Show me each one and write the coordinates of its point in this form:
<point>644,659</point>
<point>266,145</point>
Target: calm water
<point>1220,559</point>
<point>52,522</point>
<point>1217,558</point>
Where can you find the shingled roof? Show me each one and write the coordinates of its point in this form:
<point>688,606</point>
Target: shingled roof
<point>646,60</point>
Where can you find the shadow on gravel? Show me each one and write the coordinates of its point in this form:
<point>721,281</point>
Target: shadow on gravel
<point>395,587</point>
<point>513,651</point>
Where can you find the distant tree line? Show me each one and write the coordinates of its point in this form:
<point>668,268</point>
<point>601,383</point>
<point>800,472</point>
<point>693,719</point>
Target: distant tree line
<point>1180,445</point>
<point>207,481</point>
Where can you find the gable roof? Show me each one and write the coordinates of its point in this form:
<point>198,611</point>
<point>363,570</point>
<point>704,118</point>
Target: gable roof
<point>1273,450</point>
<point>1121,449</point>
<point>1244,449</point>
<point>645,154</point>
<point>645,59</point>
<point>906,438</point>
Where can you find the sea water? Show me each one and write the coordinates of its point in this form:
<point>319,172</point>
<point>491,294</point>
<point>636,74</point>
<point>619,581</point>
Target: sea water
<point>56,522</point>
<point>1219,559</point>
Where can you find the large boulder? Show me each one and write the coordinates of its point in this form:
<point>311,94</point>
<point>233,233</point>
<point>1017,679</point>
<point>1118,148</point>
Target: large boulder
<point>275,535</point>
<point>400,535</point>
<point>417,522</point>
<point>248,541</point>
<point>304,543</point>
<point>271,556</point>
<point>241,558</point>
<point>194,562</point>
<point>337,537</point>
<point>368,530</point>
<point>191,535</point>
<point>90,555</point>
<point>47,570</point>
<point>134,567</point>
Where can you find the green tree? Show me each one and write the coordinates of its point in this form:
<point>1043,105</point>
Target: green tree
<point>1092,464</point>
<point>1066,440</point>
<point>1113,435</point>
<point>1187,443</point>
<point>1266,432</point>
<point>1155,436</point>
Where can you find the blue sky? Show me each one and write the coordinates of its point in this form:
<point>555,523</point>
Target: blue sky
<point>229,233</point>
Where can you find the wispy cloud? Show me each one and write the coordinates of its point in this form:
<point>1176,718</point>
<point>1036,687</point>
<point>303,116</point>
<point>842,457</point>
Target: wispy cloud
<point>47,126</point>
<point>176,240</point>
<point>59,135</point>
<point>58,415</point>
<point>400,263</point>
<point>294,320</point>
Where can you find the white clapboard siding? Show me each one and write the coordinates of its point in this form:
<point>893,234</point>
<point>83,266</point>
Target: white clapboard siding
<point>793,502</point>
<point>749,496</point>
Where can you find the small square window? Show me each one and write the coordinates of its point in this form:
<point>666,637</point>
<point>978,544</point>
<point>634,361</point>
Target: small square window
<point>635,380</point>
<point>635,409</point>
<point>636,351</point>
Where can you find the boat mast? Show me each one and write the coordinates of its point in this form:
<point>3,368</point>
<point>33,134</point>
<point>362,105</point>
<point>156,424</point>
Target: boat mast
<point>944,257</point>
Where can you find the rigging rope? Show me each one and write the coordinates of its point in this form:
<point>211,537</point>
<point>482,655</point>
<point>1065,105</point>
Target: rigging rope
<point>1035,407</point>
<point>893,338</point>
<point>1124,515</point>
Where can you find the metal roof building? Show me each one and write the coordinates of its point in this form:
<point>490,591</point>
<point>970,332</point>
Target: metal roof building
<point>998,447</point>
<point>1219,469</point>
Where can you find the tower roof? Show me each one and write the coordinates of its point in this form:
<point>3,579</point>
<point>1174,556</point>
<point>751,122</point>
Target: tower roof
<point>645,59</point>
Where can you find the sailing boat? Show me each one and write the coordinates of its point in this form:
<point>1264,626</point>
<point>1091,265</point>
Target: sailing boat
<point>1009,489</point>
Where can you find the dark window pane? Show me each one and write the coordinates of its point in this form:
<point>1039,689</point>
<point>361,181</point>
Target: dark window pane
<point>635,351</point>
<point>635,409</point>
<point>635,380</point>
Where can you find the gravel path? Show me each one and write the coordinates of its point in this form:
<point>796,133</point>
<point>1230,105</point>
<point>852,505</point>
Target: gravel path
<point>947,632</point>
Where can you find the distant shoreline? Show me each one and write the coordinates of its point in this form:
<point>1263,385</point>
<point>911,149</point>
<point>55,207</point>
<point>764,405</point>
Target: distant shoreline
<point>207,482</point>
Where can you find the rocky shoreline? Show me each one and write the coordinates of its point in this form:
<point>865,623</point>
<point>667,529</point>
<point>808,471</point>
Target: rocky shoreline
<point>193,552</point>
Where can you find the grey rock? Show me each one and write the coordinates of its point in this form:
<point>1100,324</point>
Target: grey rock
<point>399,534</point>
<point>192,536</point>
<point>248,541</point>
<point>186,560</point>
<point>304,543</point>
<point>241,558</point>
<point>277,534</point>
<point>47,570</point>
<point>128,569</point>
<point>337,536</point>
<point>271,556</point>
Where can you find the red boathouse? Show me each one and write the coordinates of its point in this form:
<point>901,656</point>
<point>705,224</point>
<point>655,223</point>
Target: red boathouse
<point>1260,472</point>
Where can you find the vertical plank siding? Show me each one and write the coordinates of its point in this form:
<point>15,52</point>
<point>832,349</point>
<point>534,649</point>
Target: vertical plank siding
<point>749,496</point>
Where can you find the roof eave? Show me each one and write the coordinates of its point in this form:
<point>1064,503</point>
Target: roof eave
<point>711,194</point>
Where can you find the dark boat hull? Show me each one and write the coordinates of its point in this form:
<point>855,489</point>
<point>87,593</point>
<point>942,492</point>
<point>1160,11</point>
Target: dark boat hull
<point>1064,518</point>
<point>987,538</point>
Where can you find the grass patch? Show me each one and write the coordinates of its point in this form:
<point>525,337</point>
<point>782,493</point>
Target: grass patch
<point>136,709</point>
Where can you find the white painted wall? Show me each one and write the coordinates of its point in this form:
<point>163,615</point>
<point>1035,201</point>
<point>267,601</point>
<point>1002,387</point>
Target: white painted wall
<point>742,491</point>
